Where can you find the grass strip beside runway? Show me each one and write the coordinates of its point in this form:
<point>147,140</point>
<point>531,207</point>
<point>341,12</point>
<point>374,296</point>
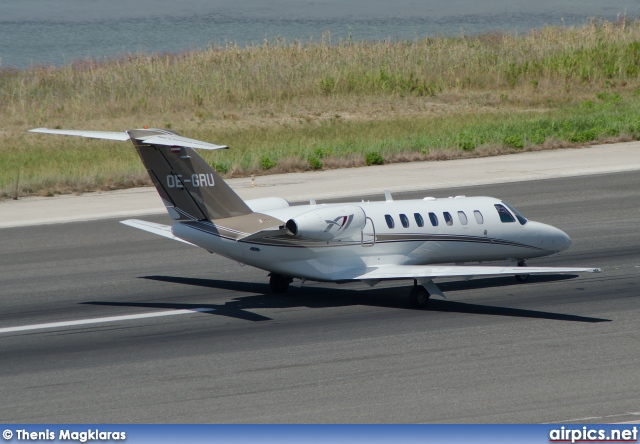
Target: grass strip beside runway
<point>291,106</point>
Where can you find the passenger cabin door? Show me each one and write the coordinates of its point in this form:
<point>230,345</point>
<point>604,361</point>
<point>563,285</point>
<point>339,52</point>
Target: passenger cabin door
<point>368,234</point>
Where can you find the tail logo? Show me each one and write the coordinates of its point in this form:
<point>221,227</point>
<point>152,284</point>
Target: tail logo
<point>196,180</point>
<point>342,222</point>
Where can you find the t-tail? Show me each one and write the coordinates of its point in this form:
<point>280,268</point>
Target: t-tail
<point>189,187</point>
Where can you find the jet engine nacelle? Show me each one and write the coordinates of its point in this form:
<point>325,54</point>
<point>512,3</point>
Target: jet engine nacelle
<point>328,223</point>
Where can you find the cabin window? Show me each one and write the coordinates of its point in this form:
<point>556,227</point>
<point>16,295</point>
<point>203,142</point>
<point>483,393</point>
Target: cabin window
<point>519,216</point>
<point>478,216</point>
<point>404,220</point>
<point>390,222</point>
<point>434,219</point>
<point>419,219</point>
<point>462,217</point>
<point>505,216</point>
<point>448,219</point>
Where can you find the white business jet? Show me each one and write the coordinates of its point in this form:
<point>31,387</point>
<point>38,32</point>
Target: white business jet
<point>362,241</point>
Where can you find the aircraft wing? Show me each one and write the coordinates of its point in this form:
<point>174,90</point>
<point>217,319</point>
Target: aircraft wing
<point>429,272</point>
<point>159,229</point>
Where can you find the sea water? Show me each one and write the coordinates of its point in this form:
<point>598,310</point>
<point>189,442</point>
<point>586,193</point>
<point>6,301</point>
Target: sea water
<point>36,32</point>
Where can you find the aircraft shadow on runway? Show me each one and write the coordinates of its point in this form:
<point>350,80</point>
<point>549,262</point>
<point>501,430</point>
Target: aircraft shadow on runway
<point>318,297</point>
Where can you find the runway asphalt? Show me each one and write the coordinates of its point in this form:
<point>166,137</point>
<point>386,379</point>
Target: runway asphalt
<point>554,349</point>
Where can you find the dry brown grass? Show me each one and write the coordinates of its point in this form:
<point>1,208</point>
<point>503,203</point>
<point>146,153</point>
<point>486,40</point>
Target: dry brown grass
<point>452,97</point>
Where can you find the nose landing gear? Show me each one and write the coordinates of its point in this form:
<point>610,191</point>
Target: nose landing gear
<point>522,277</point>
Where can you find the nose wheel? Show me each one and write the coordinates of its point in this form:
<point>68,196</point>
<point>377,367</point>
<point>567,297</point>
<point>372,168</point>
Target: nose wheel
<point>419,297</point>
<point>522,277</point>
<point>279,283</point>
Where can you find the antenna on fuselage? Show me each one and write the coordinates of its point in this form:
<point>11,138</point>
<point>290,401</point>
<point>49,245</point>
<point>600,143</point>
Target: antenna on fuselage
<point>387,196</point>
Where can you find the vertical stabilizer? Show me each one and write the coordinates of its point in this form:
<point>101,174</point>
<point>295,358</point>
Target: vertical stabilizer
<point>190,188</point>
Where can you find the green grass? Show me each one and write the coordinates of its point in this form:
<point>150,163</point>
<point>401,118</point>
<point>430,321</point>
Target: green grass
<point>79,164</point>
<point>289,106</point>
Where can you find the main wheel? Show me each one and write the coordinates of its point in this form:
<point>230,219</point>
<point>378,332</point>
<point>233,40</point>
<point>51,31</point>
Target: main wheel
<point>419,297</point>
<point>279,283</point>
<point>522,277</point>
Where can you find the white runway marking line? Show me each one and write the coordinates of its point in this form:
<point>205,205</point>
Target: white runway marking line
<point>105,319</point>
<point>590,418</point>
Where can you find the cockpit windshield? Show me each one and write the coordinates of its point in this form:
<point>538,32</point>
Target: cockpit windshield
<point>520,217</point>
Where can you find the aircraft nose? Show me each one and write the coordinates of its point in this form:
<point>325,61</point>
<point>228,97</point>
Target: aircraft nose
<point>562,240</point>
<point>547,237</point>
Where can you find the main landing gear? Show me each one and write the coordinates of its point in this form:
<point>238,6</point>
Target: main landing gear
<point>279,283</point>
<point>522,277</point>
<point>418,296</point>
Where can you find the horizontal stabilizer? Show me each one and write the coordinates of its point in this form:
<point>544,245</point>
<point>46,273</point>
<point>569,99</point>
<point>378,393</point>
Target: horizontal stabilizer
<point>427,271</point>
<point>110,135</point>
<point>173,140</point>
<point>152,138</point>
<point>159,229</point>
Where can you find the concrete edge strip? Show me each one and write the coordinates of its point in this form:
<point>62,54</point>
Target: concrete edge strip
<point>523,177</point>
<point>319,196</point>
